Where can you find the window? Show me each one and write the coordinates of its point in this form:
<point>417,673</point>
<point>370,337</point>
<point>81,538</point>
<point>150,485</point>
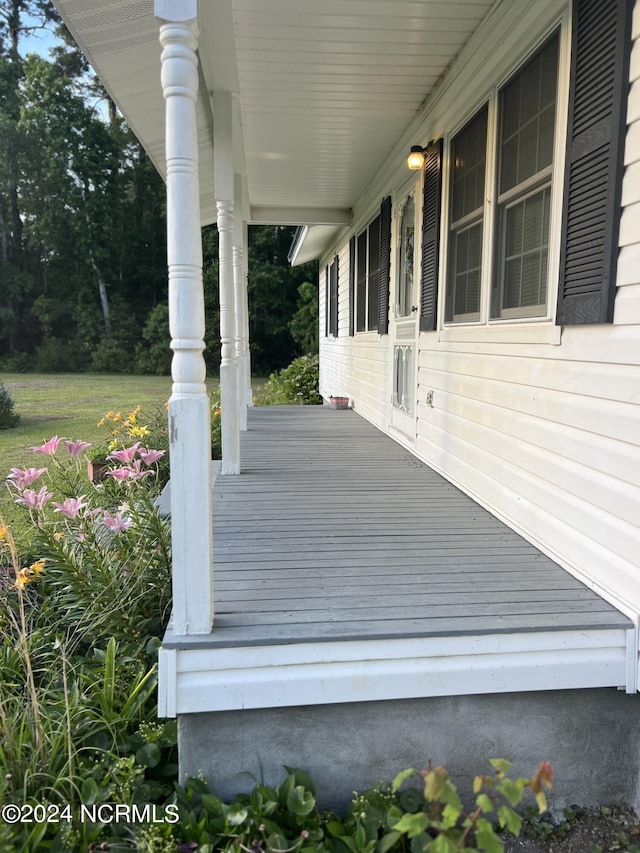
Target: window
<point>368,277</point>
<point>468,159</point>
<point>370,259</point>
<point>404,297</point>
<point>522,159</point>
<point>331,290</point>
<point>527,121</point>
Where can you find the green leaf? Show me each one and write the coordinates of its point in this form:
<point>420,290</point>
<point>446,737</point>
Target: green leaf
<point>484,802</point>
<point>412,824</point>
<point>511,791</point>
<point>302,778</point>
<point>300,802</point>
<point>510,820</point>
<point>89,791</point>
<point>277,842</point>
<point>335,828</point>
<point>442,844</point>
<point>149,755</point>
<point>211,804</point>
<point>486,837</point>
<point>401,777</point>
<point>236,815</point>
<point>411,800</point>
<point>387,841</point>
<point>393,816</point>
<point>500,764</point>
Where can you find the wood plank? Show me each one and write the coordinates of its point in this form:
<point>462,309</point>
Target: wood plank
<point>334,532</point>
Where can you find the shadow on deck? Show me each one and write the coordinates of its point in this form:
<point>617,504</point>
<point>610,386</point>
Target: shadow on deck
<point>345,569</point>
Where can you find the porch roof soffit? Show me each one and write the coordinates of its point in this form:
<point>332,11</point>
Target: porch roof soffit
<point>322,94</point>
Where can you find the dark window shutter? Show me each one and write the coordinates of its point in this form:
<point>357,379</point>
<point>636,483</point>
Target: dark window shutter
<point>327,303</point>
<point>333,297</point>
<point>385,265</point>
<point>352,284</point>
<point>601,44</point>
<point>430,236</point>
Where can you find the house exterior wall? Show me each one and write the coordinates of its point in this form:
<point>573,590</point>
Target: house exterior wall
<point>539,423</point>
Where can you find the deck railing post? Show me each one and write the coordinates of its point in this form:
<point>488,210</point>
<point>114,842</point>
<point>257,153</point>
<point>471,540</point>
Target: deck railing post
<point>241,304</point>
<point>225,194</point>
<point>245,291</point>
<point>189,410</point>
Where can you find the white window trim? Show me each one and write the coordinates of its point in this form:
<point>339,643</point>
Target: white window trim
<point>530,329</point>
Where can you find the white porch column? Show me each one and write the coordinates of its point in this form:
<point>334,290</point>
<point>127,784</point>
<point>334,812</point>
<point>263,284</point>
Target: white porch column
<point>225,194</point>
<point>245,276</point>
<point>241,304</point>
<point>189,409</point>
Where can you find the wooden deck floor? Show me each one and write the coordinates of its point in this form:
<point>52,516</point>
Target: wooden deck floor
<point>335,532</point>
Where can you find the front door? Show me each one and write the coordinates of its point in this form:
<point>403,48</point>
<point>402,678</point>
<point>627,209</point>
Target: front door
<point>405,320</point>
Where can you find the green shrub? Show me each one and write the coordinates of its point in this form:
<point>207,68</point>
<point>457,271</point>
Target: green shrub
<point>153,355</point>
<point>8,417</point>
<point>216,425</point>
<point>297,383</point>
<point>55,356</point>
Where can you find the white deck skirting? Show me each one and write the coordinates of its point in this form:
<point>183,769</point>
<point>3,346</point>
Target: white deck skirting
<point>347,571</point>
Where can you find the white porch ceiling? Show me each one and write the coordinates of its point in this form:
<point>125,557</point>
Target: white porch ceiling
<point>322,91</point>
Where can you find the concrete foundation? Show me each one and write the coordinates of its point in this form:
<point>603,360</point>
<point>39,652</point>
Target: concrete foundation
<point>592,738</point>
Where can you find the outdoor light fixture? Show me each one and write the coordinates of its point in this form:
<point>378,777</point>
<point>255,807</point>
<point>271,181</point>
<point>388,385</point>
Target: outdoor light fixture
<point>415,160</point>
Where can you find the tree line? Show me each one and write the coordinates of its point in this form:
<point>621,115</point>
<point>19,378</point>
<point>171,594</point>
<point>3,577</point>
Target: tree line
<point>83,275</point>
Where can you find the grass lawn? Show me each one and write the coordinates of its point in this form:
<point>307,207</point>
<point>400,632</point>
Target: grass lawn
<point>70,406</point>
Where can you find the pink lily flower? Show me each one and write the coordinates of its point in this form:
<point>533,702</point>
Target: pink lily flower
<point>25,478</point>
<point>116,523</point>
<point>119,473</point>
<point>136,472</point>
<point>125,455</point>
<point>49,447</point>
<point>71,507</point>
<point>35,501</point>
<point>75,448</point>
<point>150,456</point>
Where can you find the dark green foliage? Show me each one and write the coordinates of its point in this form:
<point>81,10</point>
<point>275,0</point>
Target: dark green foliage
<point>8,417</point>
<point>153,355</point>
<point>83,231</point>
<point>297,383</point>
<point>304,323</point>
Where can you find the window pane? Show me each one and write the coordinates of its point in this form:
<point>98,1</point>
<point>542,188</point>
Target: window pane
<point>465,292</point>
<point>373,284</point>
<point>527,114</point>
<point>468,152</point>
<point>361,282</point>
<point>526,239</point>
<point>527,107</point>
<point>405,266</point>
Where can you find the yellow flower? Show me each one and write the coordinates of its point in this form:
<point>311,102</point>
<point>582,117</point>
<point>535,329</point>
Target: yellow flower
<point>101,422</point>
<point>132,418</point>
<point>58,536</point>
<point>22,579</point>
<point>166,405</point>
<point>218,412</point>
<point>38,567</point>
<point>110,415</point>
<point>115,432</point>
<point>139,430</point>
<point>3,530</point>
<point>117,416</point>
<point>138,409</point>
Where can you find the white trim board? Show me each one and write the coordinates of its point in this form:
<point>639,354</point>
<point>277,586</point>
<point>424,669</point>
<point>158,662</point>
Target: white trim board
<point>198,679</point>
